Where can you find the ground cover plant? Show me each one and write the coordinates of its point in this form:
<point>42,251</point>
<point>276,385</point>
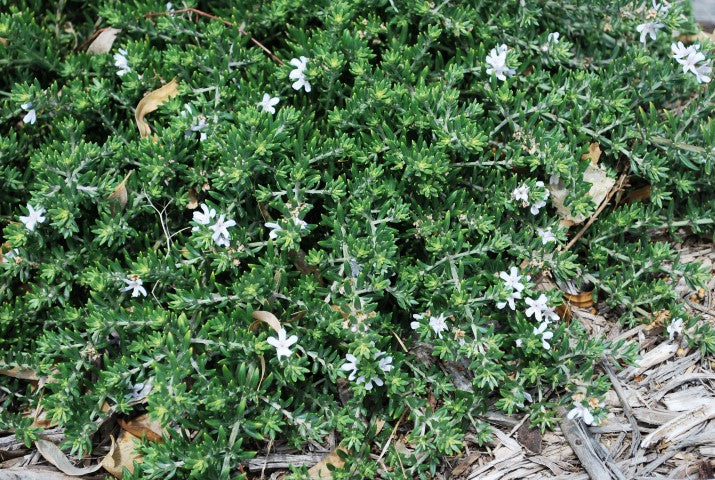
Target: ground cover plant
<point>337,218</point>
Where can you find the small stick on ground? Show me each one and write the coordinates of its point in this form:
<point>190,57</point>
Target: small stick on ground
<point>636,434</point>
<point>225,22</point>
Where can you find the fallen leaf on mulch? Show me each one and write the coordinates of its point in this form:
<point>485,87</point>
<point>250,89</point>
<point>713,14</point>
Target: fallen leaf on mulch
<point>144,426</point>
<point>54,455</point>
<point>122,454</point>
<point>320,469</point>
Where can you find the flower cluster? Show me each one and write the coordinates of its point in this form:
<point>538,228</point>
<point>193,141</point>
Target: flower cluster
<point>522,193</point>
<point>135,284</point>
<point>497,62</point>
<point>220,235</point>
<point>437,324</point>
<point>31,116</point>
<point>121,62</point>
<point>298,74</point>
<point>689,57</point>
<point>352,365</point>
<point>651,28</point>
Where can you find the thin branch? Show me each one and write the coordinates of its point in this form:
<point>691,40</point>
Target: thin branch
<point>618,186</point>
<point>225,22</point>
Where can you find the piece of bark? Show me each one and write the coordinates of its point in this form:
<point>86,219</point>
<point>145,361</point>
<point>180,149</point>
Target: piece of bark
<point>688,399</point>
<point>671,430</point>
<point>593,457</point>
<point>283,461</point>
<point>529,438</point>
<point>659,354</point>
<point>37,473</point>
<point>680,380</point>
<point>618,388</point>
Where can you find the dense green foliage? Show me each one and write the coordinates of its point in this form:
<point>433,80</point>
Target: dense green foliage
<point>393,183</point>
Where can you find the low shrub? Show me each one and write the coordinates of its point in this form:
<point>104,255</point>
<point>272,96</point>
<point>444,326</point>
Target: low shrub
<point>338,217</point>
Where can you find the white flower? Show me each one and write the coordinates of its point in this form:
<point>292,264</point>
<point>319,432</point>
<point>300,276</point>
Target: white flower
<point>298,74</point>
<point>416,325</point>
<point>649,28</point>
<point>268,103</point>
<point>675,328</point>
<point>518,342</point>
<point>661,8</point>
<point>120,61</point>
<point>282,343</point>
<point>31,116</point>
<point>385,362</point>
<point>509,301</point>
<point>521,193</point>
<point>545,335</point>
<point>703,74</point>
<point>199,127</point>
<point>134,283</point>
<point>689,62</point>
<point>512,279</point>
<point>273,234</point>
<point>9,255</point>
<point>204,217</point>
<point>579,411</point>
<point>497,63</point>
<point>368,386</point>
<point>680,51</point>
<point>553,37</point>
<point>33,217</point>
<point>301,224</point>
<point>537,206</point>
<point>537,307</point>
<point>169,7</point>
<point>546,235</point>
<point>220,229</point>
<point>351,366</point>
<point>139,390</point>
<point>438,324</point>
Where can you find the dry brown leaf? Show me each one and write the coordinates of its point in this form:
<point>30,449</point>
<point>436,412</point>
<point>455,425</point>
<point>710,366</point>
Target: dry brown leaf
<point>193,200</point>
<point>54,455</point>
<point>144,426</point>
<point>103,42</point>
<point>122,454</point>
<point>594,153</point>
<point>320,469</point>
<point>4,41</point>
<point>638,195</point>
<point>21,373</point>
<point>267,318</point>
<point>600,182</point>
<point>151,102</point>
<point>120,193</point>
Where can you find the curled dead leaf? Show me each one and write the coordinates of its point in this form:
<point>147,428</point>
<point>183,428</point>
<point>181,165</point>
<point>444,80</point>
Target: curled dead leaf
<point>21,373</point>
<point>54,455</point>
<point>120,193</point>
<point>151,102</point>
<point>103,42</point>
<point>267,318</point>
<point>144,426</point>
<point>122,454</point>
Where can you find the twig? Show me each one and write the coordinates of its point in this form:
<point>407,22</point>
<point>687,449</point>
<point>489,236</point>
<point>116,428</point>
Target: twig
<point>392,435</point>
<point>616,187</point>
<point>225,22</point>
<point>636,436</point>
